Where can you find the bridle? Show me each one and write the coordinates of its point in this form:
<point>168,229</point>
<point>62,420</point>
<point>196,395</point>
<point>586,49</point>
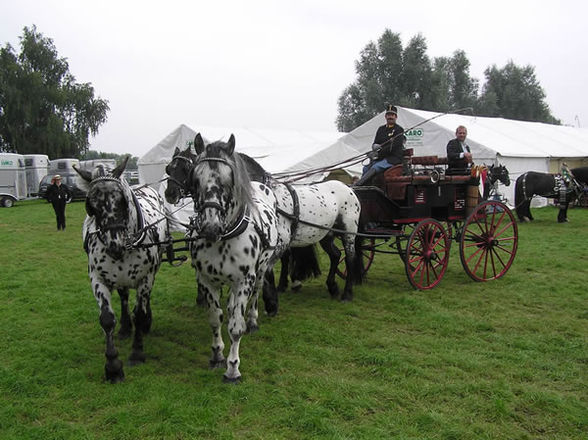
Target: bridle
<point>242,219</point>
<point>183,186</point>
<point>102,229</point>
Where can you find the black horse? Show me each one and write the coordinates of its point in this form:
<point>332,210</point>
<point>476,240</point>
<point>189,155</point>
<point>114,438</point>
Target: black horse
<point>552,186</point>
<point>497,173</point>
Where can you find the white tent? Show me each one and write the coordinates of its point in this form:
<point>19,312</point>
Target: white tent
<point>275,150</point>
<point>520,146</point>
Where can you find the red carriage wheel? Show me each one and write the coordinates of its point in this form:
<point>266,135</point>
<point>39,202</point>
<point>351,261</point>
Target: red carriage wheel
<point>489,240</point>
<point>427,254</point>
<point>368,250</point>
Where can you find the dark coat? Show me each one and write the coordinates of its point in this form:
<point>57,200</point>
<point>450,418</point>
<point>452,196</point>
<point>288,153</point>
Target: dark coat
<point>58,194</point>
<point>392,151</point>
<point>454,150</point>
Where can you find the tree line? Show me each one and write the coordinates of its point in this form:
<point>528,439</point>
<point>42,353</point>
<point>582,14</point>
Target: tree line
<point>406,76</point>
<point>43,110</point>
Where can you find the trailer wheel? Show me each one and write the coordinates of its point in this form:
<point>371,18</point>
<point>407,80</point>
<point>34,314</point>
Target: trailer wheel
<point>7,202</point>
<point>427,254</point>
<point>489,241</point>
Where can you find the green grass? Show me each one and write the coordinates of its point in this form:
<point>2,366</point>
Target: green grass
<point>505,359</point>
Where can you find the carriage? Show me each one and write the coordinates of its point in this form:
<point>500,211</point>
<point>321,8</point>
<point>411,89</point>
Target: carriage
<point>416,210</point>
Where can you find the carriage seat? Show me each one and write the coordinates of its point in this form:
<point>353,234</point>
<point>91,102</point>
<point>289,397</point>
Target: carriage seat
<point>429,160</point>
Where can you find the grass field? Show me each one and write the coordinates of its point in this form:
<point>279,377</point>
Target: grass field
<point>505,359</point>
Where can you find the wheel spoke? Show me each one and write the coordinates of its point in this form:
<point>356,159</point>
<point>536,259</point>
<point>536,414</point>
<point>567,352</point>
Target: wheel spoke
<point>488,246</point>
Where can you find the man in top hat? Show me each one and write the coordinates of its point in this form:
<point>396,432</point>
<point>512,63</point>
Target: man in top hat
<point>388,146</point>
<point>58,194</point>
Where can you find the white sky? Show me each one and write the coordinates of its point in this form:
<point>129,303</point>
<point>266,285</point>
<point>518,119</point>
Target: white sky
<point>283,64</point>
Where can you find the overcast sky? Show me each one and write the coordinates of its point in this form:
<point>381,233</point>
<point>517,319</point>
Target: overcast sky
<point>283,64</point>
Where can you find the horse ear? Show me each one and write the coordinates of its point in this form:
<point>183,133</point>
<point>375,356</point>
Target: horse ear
<point>84,174</point>
<point>198,144</point>
<point>231,145</point>
<point>176,151</point>
<point>120,168</point>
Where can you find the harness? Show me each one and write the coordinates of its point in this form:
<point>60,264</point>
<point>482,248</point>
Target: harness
<point>182,185</point>
<point>243,219</point>
<point>102,229</point>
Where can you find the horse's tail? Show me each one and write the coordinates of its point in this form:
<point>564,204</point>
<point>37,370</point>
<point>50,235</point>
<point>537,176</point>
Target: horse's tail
<point>520,197</point>
<point>304,263</point>
<point>357,265</point>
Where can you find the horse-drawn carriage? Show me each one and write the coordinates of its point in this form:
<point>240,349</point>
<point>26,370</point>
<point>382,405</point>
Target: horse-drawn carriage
<point>416,210</point>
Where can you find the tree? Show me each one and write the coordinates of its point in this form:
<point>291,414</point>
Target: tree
<point>387,73</point>
<point>463,89</point>
<point>514,92</point>
<point>378,82</point>
<point>42,108</point>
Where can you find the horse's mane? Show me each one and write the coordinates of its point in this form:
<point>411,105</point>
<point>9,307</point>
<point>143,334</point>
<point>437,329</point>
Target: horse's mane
<point>256,172</point>
<point>241,175</point>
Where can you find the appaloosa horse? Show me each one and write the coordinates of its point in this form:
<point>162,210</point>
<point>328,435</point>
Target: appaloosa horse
<point>120,233</point>
<point>235,239</point>
<point>552,186</point>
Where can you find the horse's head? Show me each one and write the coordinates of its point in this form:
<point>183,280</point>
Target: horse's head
<point>220,187</point>
<point>108,201</point>
<point>178,171</point>
<point>499,173</point>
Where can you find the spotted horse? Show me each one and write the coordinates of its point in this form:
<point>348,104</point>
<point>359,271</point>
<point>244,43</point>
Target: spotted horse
<point>234,239</point>
<point>303,264</point>
<point>119,232</point>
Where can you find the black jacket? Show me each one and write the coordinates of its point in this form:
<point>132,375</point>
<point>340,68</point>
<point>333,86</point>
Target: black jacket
<point>454,150</point>
<point>394,150</point>
<point>57,194</point>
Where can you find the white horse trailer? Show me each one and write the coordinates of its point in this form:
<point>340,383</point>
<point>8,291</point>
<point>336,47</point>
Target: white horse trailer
<point>90,164</point>
<point>63,166</point>
<point>37,167</point>
<point>13,179</point>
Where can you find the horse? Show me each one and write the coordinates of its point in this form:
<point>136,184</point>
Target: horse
<point>178,171</point>
<point>497,173</point>
<point>552,186</point>
<point>235,238</point>
<point>313,212</point>
<point>120,233</point>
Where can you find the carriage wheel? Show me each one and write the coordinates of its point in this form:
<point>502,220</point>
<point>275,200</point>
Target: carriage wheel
<point>427,254</point>
<point>489,241</point>
<point>368,250</point>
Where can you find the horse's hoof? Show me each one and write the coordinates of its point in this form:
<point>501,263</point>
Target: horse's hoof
<point>232,380</point>
<point>213,364</point>
<point>136,359</point>
<point>296,286</point>
<point>565,220</point>
<point>347,299</point>
<point>252,328</point>
<point>271,309</point>
<point>114,372</point>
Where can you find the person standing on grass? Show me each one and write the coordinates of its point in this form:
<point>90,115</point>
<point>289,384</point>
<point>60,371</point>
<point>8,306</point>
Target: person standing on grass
<point>58,194</point>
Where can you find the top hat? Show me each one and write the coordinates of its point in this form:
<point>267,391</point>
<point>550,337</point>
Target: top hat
<point>391,109</point>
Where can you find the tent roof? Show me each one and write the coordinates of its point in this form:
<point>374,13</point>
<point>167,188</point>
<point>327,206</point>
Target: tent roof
<point>274,149</point>
<point>486,136</point>
<point>515,138</point>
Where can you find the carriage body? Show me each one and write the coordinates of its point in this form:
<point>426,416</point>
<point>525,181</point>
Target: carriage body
<point>416,211</point>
